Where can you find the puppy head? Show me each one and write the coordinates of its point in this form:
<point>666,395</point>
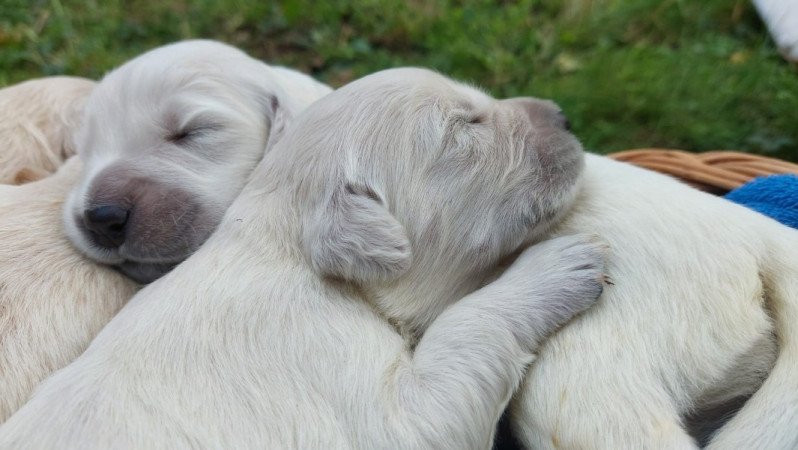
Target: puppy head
<point>426,180</point>
<point>168,140</point>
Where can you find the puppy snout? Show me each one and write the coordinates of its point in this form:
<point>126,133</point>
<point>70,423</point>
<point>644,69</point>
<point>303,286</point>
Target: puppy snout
<point>542,112</point>
<point>107,224</point>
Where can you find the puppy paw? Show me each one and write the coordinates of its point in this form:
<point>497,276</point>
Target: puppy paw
<point>558,278</point>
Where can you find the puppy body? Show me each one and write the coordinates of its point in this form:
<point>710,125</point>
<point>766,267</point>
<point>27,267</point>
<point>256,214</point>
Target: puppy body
<point>685,327</point>
<point>246,344</point>
<point>53,300</point>
<point>37,119</point>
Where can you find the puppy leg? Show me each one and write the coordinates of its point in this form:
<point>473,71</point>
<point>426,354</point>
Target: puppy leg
<point>474,355</point>
<point>593,394</point>
<point>720,403</point>
<point>602,414</point>
<point>769,419</point>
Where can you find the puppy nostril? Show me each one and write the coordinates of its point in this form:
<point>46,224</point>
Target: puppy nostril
<point>107,215</point>
<point>107,224</point>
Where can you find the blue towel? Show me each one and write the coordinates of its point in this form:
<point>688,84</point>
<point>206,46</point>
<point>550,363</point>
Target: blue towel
<point>775,196</point>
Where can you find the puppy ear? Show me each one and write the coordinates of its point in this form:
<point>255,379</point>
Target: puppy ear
<point>279,116</point>
<point>70,120</point>
<point>355,238</point>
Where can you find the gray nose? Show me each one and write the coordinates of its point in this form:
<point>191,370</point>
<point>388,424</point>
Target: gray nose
<point>542,112</point>
<point>107,224</point>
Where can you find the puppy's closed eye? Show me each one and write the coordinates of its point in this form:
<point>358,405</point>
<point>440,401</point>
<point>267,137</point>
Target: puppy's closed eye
<point>178,137</point>
<point>189,133</point>
<point>469,116</point>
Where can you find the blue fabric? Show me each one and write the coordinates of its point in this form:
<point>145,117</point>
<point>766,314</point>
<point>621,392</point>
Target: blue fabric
<point>775,196</point>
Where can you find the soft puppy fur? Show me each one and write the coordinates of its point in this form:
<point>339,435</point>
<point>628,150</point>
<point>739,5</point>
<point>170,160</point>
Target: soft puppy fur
<point>53,300</point>
<point>403,190</point>
<point>37,120</point>
<point>705,303</point>
<point>168,140</point>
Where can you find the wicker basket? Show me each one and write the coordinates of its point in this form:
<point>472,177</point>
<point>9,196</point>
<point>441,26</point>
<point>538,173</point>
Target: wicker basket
<point>716,172</point>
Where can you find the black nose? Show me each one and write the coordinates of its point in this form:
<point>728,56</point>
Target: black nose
<point>107,224</point>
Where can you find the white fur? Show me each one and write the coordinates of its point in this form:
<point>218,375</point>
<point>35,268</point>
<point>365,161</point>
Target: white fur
<point>781,18</point>
<point>685,326</point>
<point>230,108</point>
<point>244,345</point>
<point>37,119</point>
<point>52,299</point>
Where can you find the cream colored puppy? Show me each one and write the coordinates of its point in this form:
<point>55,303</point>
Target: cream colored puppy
<point>402,190</point>
<point>37,119</point>
<point>169,139</point>
<point>702,285</point>
<point>52,299</point>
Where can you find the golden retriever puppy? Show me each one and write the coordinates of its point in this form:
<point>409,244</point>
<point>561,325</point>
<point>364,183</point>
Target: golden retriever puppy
<point>53,300</point>
<point>37,119</point>
<point>168,141</point>
<point>401,191</point>
<point>704,309</point>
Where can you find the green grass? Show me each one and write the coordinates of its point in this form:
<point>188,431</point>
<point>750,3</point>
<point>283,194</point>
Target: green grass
<point>693,74</point>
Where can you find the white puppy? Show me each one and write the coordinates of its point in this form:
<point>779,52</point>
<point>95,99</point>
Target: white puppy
<point>702,285</point>
<point>169,139</point>
<point>37,118</point>
<point>52,299</point>
<point>402,189</point>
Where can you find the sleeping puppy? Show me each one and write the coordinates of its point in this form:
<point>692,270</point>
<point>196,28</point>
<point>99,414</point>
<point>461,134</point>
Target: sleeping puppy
<point>702,287</point>
<point>395,191</point>
<point>37,119</point>
<point>168,141</point>
<point>52,299</point>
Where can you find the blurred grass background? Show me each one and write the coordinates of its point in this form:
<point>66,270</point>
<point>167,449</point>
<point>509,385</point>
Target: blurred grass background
<point>691,74</point>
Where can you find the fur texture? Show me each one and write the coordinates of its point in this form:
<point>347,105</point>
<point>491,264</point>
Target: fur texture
<point>169,139</point>
<point>37,119</point>
<point>686,327</point>
<point>248,344</point>
<point>53,300</point>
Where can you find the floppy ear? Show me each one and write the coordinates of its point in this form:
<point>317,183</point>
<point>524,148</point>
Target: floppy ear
<point>355,238</point>
<point>279,117</point>
<point>70,120</point>
<point>267,92</point>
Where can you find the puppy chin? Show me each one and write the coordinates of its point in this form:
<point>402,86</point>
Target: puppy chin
<point>144,273</point>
